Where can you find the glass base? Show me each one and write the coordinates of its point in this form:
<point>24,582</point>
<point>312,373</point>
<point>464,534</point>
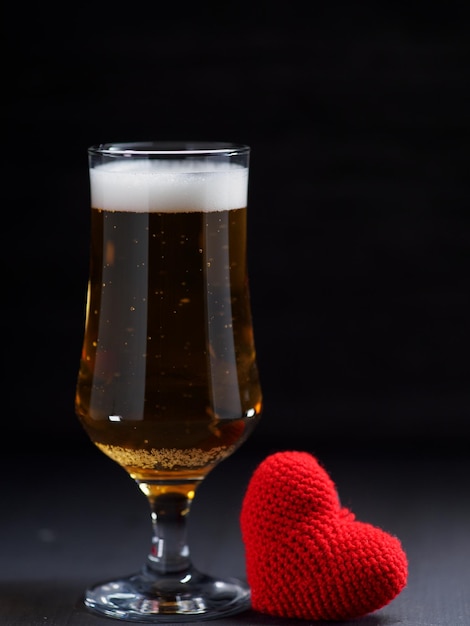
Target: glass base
<point>157,599</point>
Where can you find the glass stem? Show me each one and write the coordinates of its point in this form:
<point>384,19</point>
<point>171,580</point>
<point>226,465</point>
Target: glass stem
<point>170,507</point>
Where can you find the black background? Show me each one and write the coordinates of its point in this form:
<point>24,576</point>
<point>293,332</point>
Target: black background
<point>359,227</point>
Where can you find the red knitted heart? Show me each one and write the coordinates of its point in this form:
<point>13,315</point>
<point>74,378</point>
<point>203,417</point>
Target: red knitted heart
<point>306,556</point>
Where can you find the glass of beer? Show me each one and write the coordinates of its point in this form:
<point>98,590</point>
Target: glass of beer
<point>168,384</point>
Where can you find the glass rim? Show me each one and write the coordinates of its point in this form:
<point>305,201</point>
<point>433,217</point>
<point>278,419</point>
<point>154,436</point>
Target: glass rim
<point>168,148</point>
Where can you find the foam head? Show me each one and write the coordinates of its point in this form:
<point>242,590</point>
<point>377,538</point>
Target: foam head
<point>153,185</point>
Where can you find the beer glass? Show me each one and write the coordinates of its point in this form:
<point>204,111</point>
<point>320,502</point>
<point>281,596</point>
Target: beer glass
<point>168,384</point>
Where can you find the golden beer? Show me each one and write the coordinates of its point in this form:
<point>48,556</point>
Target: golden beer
<point>168,383</point>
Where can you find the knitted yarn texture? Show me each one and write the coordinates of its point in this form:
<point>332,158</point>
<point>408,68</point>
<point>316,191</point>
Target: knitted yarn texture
<point>307,557</point>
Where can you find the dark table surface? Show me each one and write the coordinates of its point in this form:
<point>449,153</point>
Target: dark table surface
<point>72,518</point>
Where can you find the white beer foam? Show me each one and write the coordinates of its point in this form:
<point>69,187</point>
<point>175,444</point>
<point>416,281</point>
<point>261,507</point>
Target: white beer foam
<point>168,186</point>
